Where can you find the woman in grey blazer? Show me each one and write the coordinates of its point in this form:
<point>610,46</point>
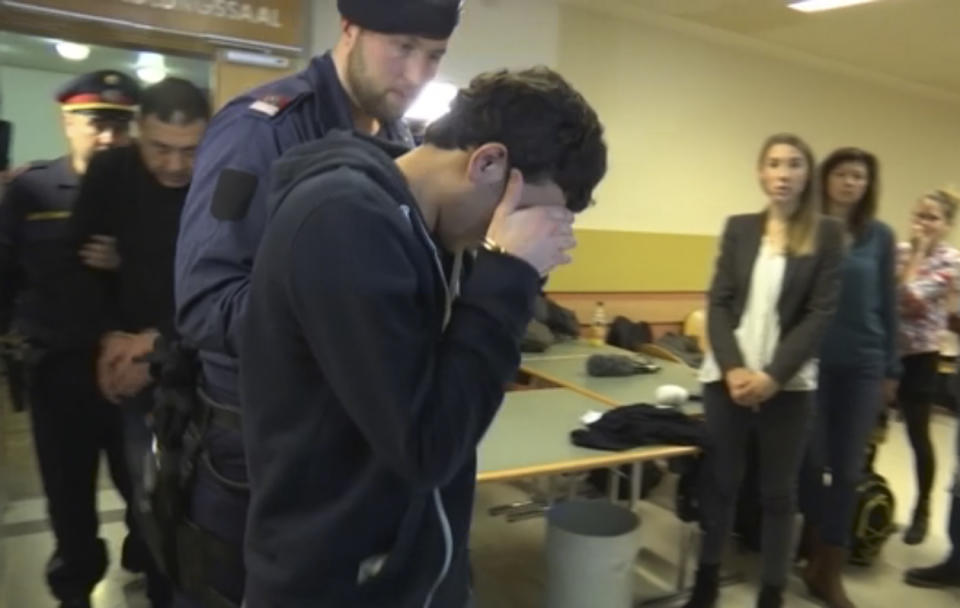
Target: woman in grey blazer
<point>772,295</point>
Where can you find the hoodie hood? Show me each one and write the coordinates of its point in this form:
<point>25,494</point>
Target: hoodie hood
<point>372,156</point>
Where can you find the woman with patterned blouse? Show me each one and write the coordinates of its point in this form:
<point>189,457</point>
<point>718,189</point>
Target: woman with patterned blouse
<point>928,275</point>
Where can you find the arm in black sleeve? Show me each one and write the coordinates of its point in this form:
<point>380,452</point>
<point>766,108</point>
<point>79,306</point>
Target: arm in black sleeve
<point>721,319</point>
<point>91,210</point>
<point>93,214</point>
<point>802,341</point>
<point>422,404</point>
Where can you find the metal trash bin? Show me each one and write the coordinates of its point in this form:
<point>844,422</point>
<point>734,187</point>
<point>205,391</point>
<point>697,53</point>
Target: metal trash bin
<point>591,551</point>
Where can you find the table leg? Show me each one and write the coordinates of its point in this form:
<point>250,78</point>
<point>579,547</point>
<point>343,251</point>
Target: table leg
<point>551,497</point>
<point>687,538</point>
<point>614,486</point>
<point>636,484</point>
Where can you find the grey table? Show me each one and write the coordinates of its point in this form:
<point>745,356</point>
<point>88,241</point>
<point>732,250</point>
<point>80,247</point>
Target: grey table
<point>566,365</point>
<point>530,437</point>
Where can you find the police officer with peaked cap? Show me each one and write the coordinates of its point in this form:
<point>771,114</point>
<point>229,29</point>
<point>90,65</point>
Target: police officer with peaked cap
<point>386,53</point>
<point>72,423</point>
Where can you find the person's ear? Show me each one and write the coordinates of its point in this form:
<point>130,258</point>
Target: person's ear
<point>488,165</point>
<point>349,31</point>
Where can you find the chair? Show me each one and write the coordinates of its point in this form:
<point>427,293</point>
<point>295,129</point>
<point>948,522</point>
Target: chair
<point>695,325</point>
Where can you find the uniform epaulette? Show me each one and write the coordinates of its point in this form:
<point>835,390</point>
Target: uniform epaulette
<point>272,104</point>
<point>27,170</point>
<point>37,164</point>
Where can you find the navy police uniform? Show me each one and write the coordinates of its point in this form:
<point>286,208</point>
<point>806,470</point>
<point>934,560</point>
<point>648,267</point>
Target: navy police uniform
<point>72,423</point>
<point>223,220</point>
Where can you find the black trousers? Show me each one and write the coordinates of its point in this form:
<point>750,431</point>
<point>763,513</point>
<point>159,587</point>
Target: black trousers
<point>916,395</point>
<point>72,425</point>
<point>138,438</point>
<point>782,425</point>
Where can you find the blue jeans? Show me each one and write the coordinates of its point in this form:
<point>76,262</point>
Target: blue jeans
<point>220,510</point>
<point>849,402</point>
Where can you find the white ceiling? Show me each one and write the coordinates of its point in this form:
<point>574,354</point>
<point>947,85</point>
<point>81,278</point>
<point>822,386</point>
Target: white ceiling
<point>32,52</point>
<point>911,40</point>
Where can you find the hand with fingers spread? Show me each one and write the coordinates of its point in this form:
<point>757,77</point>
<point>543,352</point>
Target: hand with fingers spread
<point>101,253</point>
<point>540,236</point>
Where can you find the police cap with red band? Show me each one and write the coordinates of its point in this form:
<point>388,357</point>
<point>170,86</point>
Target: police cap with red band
<point>101,91</point>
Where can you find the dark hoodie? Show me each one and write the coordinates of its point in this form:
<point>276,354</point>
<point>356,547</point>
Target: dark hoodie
<point>366,388</point>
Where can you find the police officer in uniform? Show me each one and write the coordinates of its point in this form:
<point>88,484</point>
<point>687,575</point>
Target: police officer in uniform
<point>72,422</point>
<point>387,51</point>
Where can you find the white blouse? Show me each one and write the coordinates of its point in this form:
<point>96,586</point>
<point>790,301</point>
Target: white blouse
<point>759,331</point>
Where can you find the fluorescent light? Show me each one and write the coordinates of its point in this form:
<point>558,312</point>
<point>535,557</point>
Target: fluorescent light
<point>151,75</point>
<point>72,50</point>
<point>434,101</point>
<point>813,6</point>
<point>151,67</point>
<point>150,60</point>
<point>258,59</point>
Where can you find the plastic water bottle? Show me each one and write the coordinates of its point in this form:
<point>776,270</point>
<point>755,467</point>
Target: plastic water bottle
<point>598,329</point>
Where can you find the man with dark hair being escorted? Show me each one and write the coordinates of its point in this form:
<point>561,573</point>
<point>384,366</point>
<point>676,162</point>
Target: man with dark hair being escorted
<point>125,226</point>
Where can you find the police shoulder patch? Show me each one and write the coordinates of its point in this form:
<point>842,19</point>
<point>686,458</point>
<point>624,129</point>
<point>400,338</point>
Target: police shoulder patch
<point>234,193</point>
<point>270,105</point>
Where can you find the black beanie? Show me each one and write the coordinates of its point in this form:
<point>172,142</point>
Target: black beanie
<point>435,19</point>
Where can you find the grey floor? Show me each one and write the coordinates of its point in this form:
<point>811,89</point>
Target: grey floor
<point>507,556</point>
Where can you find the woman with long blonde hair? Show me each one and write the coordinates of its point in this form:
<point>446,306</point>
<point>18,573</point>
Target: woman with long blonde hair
<point>772,295</point>
<point>928,277</point>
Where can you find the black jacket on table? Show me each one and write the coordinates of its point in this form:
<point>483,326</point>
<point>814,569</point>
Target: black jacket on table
<point>807,301</point>
<point>366,388</point>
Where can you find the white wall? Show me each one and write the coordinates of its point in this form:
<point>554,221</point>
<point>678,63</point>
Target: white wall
<point>686,110</point>
<point>27,102</point>
<point>686,115</point>
<point>493,34</point>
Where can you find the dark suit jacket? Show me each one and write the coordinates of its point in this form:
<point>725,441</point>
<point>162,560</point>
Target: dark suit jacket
<point>807,301</point>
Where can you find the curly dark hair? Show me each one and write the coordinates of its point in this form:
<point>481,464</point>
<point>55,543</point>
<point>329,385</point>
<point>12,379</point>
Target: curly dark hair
<point>548,128</point>
<point>866,208</point>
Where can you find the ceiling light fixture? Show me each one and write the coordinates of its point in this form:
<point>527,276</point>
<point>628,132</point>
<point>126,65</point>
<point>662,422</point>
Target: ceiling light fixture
<point>151,68</point>
<point>151,75</point>
<point>434,101</point>
<point>72,50</point>
<point>814,6</point>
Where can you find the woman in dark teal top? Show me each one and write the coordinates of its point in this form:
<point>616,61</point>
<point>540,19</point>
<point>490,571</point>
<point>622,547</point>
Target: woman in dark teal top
<point>859,367</point>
